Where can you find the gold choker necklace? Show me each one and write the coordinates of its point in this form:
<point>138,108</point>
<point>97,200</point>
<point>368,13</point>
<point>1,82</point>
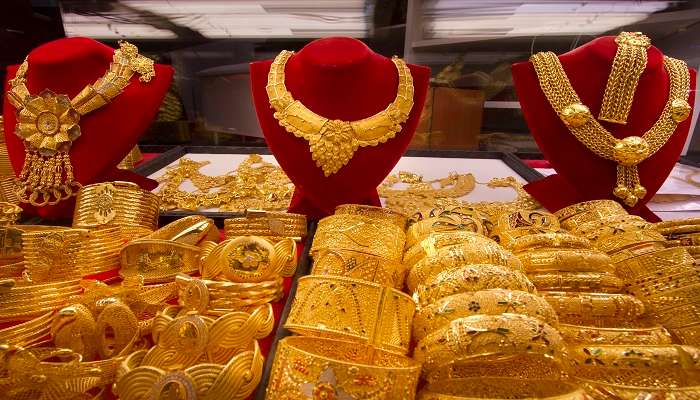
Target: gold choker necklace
<point>334,142</point>
<point>627,152</point>
<point>48,124</point>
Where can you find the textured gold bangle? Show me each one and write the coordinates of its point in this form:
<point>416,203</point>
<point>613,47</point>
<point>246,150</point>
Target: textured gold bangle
<point>549,240</point>
<point>600,230</point>
<point>689,334</point>
<point>457,256</point>
<point>665,305</point>
<point>577,214</point>
<point>435,241</point>
<point>24,302</point>
<point>158,260</point>
<point>192,230</point>
<point>217,297</point>
<point>27,333</point>
<point>331,369</point>
<point>379,213</point>
<point>471,278</point>
<point>351,309</point>
<point>249,259</point>
<point>623,240</point>
<point>594,308</point>
<point>604,282</point>
<point>649,263</point>
<point>354,232</point>
<point>9,212</point>
<point>652,285</point>
<point>501,388</point>
<point>484,302</point>
<point>102,249</point>
<point>354,264</point>
<point>53,255</point>
<point>604,391</point>
<point>565,260</point>
<point>477,337</point>
<point>525,221</point>
<point>636,250</point>
<point>583,334</point>
<point>275,225</point>
<point>444,221</point>
<point>523,366</point>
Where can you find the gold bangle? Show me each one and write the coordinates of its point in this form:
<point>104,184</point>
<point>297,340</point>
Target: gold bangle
<point>689,335</point>
<point>53,254</point>
<point>158,260</point>
<point>654,262</point>
<point>192,230</point>
<point>540,221</point>
<point>651,285</point>
<point>356,265</point>
<point>661,304</point>
<point>594,308</point>
<point>351,309</point>
<point>249,259</point>
<point>331,369</point>
<point>378,213</point>
<point>27,333</point>
<point>355,232</point>
<point>623,240</point>
<point>601,229</point>
<point>603,391</point>
<point>457,256</point>
<point>435,241</point>
<point>566,260</point>
<point>478,337</point>
<point>444,221</point>
<point>635,250</point>
<point>101,251</point>
<point>471,278</point>
<point>25,302</point>
<point>577,214</point>
<point>273,225</point>
<point>549,240</point>
<point>522,366</point>
<point>9,212</point>
<point>654,335</point>
<point>501,388</point>
<point>217,298</point>
<point>603,282</point>
<point>484,302</point>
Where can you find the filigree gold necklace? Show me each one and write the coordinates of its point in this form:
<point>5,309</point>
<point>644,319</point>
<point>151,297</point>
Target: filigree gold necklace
<point>627,152</point>
<point>48,124</point>
<point>334,142</point>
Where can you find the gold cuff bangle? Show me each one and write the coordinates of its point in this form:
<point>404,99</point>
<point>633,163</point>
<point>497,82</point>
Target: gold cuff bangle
<point>516,224</point>
<point>577,214</point>
<point>480,336</point>
<point>351,309</point>
<point>378,213</point>
<point>494,388</point>
<point>158,260</point>
<point>594,308</point>
<point>484,302</point>
<point>654,262</point>
<point>604,282</point>
<point>27,333</point>
<point>565,260</point>
<point>53,254</point>
<point>270,224</point>
<point>456,256</point>
<point>666,305</point>
<point>101,251</point>
<point>471,278</point>
<point>444,221</point>
<point>332,369</point>
<point>601,230</point>
<point>217,297</point>
<point>354,232</point>
<point>435,241</point>
<point>623,240</point>
<point>356,265</point>
<point>654,335</point>
<point>523,366</point>
<point>249,259</point>
<point>192,230</point>
<point>549,240</point>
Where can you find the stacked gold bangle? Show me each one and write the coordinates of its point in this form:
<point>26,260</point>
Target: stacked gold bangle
<point>565,260</point>
<point>511,226</point>
<point>357,265</point>
<point>268,224</point>
<point>359,233</point>
<point>53,254</point>
<point>23,302</point>
<point>603,282</point>
<point>447,220</point>
<point>27,333</point>
<point>573,216</point>
<point>435,241</point>
<point>495,388</point>
<point>631,239</point>
<point>377,213</point>
<point>215,297</point>
<point>654,335</point>
<point>594,308</point>
<point>601,230</point>
<point>102,249</point>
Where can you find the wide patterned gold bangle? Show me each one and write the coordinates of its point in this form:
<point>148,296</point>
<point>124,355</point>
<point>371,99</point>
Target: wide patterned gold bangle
<point>605,391</point>
<point>689,334</point>
<point>565,260</point>
<point>594,308</point>
<point>354,264</point>
<point>584,334</point>
<point>523,366</point>
<point>471,278</point>
<point>358,233</point>
<point>435,241</point>
<point>270,224</point>
<point>22,302</point>
<point>603,282</point>
<point>652,285</point>
<point>636,250</point>
<point>576,214</point>
<point>27,333</point>
<point>378,213</point>
<point>680,305</point>
<point>445,221</point>
<point>158,260</point>
<point>602,229</point>
<point>351,309</point>
<point>487,302</point>
<point>319,368</point>
<point>548,240</point>
<point>221,297</point>
<point>477,337</point>
<point>192,230</point>
<point>53,254</point>
<point>103,246</point>
<point>623,240</point>
<point>674,259</point>
<point>525,222</point>
<point>501,388</point>
<point>249,259</point>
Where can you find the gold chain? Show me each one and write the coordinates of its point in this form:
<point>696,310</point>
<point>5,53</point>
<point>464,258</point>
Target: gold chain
<point>333,142</point>
<point>627,152</point>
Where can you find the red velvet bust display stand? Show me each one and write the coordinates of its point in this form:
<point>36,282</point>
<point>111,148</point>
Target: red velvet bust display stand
<point>337,78</point>
<point>66,66</point>
<point>582,175</point>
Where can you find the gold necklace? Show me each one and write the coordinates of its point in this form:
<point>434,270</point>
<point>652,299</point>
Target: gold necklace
<point>627,152</point>
<point>333,142</point>
<point>49,123</point>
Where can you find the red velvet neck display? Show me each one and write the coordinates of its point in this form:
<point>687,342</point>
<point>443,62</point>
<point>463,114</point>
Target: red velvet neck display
<point>582,175</point>
<point>337,78</point>
<point>66,66</point>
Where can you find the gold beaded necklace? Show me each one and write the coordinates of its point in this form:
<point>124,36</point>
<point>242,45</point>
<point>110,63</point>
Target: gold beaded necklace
<point>333,142</point>
<point>627,152</point>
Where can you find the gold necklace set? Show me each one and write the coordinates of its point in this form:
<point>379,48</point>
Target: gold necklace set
<point>630,151</point>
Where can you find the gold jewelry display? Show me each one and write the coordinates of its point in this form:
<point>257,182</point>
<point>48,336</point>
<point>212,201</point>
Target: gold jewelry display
<point>352,309</point>
<point>249,259</point>
<point>443,220</point>
<point>363,234</point>
<point>316,368</point>
<point>354,264</point>
<point>379,213</point>
<point>333,142</point>
<point>158,260</point>
<point>627,152</point>
<point>495,388</point>
<point>435,241</point>
<point>654,335</point>
<point>268,224</point>
<point>594,308</point>
<point>49,123</point>
<point>569,281</point>
<point>485,302</point>
<point>572,216</point>
<point>569,260</point>
<point>629,63</point>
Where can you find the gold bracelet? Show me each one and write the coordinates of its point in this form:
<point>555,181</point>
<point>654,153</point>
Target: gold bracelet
<point>158,260</point>
<point>577,214</point>
<point>331,369</point>
<point>354,264</point>
<point>679,305</point>
<point>435,241</point>
<point>601,390</point>
<point>351,309</point>
<point>378,213</point>
<point>689,334</point>
<point>23,302</point>
<point>457,256</point>
<point>102,251</point>
<point>494,388</point>
<point>594,308</point>
<point>654,262</point>
<point>522,366</point>
<point>355,232</point>
<point>681,239</point>
<point>220,297</point>
<point>249,259</point>
<point>53,254</point>
<point>636,250</point>
<point>273,225</point>
<point>566,260</point>
<point>623,240</point>
<point>584,334</point>
<point>651,285</point>
<point>603,282</point>
<point>487,302</point>
<point>444,221</point>
<point>471,278</point>
<point>527,221</point>
<point>549,240</point>
<point>677,227</point>
<point>27,333</point>
<point>192,230</point>
<point>478,337</point>
<point>600,230</point>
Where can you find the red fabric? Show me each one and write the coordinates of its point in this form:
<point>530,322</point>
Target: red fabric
<point>338,78</point>
<point>537,163</point>
<point>588,176</point>
<point>107,134</point>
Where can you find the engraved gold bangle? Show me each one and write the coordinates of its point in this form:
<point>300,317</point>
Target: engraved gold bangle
<point>351,309</point>
<point>515,224</point>
<point>471,278</point>
<point>602,229</point>
<point>192,230</point>
<point>604,282</point>
<point>654,262</point>
<point>444,221</point>
<point>652,285</point>
<point>484,302</point>
<point>103,246</point>
<point>636,250</point>
<point>689,334</point>
<point>53,255</point>
<point>435,241</point>
<point>478,337</point>
<point>333,369</point>
<point>378,213</point>
<point>523,366</point>
<point>27,333</point>
<point>219,297</point>
<point>355,232</point>
<point>549,240</point>
<point>158,260</point>
<point>249,259</point>
<point>605,391</point>
<point>273,225</point>
<point>457,256</point>
<point>623,240</point>
<point>594,308</point>
<point>565,260</point>
<point>577,214</point>
<point>354,264</point>
<point>501,388</point>
<point>666,305</point>
<point>583,334</point>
